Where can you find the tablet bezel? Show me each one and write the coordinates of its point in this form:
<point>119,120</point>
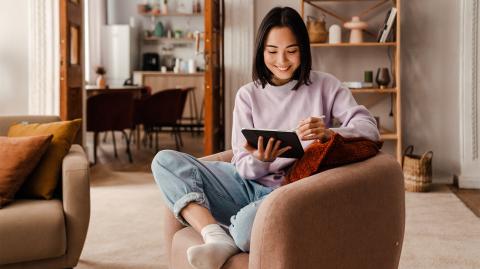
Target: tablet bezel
<point>288,138</point>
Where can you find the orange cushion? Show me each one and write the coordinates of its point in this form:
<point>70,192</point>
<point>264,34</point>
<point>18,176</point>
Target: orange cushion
<point>19,156</point>
<point>44,179</point>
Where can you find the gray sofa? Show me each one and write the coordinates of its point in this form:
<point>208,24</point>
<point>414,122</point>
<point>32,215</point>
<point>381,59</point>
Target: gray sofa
<point>47,233</point>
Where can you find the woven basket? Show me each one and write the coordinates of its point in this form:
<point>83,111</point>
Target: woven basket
<point>317,31</point>
<point>417,170</point>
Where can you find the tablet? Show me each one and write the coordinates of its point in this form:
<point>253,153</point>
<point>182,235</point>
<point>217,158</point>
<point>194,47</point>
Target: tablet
<point>288,138</point>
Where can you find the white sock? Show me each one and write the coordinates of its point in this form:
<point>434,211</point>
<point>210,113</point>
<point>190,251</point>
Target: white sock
<point>218,247</point>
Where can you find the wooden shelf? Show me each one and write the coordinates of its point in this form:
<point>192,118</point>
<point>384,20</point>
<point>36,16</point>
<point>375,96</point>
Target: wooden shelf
<point>388,136</point>
<point>374,90</point>
<point>172,14</point>
<point>340,0</point>
<point>170,40</point>
<point>364,44</point>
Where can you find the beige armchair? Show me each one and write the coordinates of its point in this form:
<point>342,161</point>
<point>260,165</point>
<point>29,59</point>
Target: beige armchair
<point>47,233</point>
<point>348,217</point>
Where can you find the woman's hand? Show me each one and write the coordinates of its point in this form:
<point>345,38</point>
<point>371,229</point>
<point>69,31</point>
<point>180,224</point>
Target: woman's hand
<point>313,128</point>
<point>270,153</point>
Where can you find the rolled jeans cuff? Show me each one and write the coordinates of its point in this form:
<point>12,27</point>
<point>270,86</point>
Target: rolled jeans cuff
<point>196,197</point>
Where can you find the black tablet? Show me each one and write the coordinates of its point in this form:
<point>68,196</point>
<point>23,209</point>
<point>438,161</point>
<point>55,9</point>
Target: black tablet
<point>288,138</point>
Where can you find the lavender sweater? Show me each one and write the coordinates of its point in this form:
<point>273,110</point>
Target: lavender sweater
<point>278,107</point>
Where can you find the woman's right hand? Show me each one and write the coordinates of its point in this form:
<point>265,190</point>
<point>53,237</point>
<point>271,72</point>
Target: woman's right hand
<point>270,153</point>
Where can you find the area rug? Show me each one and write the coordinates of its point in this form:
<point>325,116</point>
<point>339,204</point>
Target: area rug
<point>125,226</point>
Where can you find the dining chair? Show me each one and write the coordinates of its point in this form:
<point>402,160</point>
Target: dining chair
<point>110,111</point>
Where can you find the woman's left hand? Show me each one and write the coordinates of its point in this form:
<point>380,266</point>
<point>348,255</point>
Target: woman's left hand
<point>313,128</point>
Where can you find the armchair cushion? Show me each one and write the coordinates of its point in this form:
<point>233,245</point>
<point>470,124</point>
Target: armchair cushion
<point>38,231</point>
<point>43,180</point>
<point>18,157</point>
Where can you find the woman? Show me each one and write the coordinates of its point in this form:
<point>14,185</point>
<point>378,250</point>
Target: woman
<point>285,94</point>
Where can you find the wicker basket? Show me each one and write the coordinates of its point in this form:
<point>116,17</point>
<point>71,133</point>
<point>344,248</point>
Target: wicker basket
<point>317,31</point>
<point>417,170</point>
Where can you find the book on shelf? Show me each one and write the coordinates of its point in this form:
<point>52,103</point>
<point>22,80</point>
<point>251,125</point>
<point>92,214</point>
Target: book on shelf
<point>388,26</point>
<point>357,84</point>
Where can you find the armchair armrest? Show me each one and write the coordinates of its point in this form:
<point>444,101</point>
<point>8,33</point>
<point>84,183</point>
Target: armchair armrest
<point>348,217</point>
<point>76,201</point>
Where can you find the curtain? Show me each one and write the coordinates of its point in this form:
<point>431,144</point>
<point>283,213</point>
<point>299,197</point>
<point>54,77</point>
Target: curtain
<point>95,18</point>
<point>44,57</point>
<point>238,52</point>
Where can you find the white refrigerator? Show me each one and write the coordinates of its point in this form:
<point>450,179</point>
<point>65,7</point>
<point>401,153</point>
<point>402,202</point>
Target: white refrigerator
<point>119,52</point>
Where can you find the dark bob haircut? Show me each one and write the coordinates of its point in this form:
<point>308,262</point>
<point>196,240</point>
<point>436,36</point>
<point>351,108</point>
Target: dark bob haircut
<point>282,17</point>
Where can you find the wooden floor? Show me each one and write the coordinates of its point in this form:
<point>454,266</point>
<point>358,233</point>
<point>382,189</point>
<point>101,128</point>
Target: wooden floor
<point>471,198</point>
<point>142,156</point>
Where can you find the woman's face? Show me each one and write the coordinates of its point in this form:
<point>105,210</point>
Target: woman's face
<point>281,54</point>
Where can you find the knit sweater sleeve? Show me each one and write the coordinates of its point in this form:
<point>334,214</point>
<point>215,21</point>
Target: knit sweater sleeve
<point>356,119</point>
<point>247,166</point>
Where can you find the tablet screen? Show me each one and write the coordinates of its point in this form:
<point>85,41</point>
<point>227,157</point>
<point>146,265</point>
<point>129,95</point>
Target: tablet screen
<point>288,138</point>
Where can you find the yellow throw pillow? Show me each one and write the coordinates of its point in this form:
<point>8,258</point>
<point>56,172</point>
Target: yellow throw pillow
<point>19,156</point>
<point>44,179</point>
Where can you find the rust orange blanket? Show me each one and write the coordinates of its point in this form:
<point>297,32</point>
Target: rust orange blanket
<point>335,152</point>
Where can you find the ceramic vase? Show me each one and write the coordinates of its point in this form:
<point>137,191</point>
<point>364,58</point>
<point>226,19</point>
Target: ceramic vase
<point>335,34</point>
<point>356,27</point>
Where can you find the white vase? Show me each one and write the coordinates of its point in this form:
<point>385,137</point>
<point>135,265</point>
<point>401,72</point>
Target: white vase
<point>334,34</point>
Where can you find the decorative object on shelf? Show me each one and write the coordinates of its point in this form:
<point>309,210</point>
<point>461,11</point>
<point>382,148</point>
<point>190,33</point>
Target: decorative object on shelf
<point>155,9</point>
<point>357,84</point>
<point>159,29</point>
<point>185,6</point>
<point>317,31</point>
<point>417,170</point>
<point>101,80</point>
<point>178,34</point>
<point>368,76</point>
<point>144,8</point>
<point>335,34</point>
<point>197,7</point>
<point>383,77</point>
<point>356,27</point>
<point>164,7</point>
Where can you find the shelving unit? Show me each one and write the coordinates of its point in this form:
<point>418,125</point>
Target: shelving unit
<point>173,14</point>
<point>390,136</point>
<point>172,40</point>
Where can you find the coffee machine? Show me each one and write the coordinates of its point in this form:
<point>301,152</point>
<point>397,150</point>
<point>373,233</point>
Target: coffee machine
<point>151,61</point>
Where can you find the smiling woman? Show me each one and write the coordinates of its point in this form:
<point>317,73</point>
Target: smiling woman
<point>284,94</point>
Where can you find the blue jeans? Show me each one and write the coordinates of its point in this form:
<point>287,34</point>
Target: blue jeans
<point>214,185</point>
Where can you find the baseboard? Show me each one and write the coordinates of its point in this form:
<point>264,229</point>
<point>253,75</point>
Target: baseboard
<point>468,182</point>
<point>443,180</point>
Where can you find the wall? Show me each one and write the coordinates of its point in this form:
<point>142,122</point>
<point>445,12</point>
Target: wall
<point>13,58</point>
<point>430,79</point>
<point>121,11</point>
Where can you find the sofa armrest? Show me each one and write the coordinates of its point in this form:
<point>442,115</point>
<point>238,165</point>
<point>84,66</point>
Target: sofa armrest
<point>348,217</point>
<point>76,201</point>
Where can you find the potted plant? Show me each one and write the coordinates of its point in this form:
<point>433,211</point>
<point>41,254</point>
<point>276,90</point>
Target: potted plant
<point>101,81</point>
